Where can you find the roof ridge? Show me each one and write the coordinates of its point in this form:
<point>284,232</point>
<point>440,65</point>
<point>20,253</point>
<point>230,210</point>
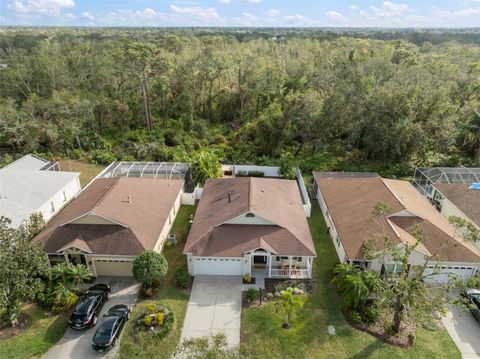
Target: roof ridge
<point>100,200</point>
<point>394,194</point>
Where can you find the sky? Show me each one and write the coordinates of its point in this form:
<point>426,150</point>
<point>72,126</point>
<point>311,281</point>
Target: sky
<point>242,13</point>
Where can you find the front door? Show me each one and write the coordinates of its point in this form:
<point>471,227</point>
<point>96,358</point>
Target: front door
<point>259,261</point>
<point>77,259</point>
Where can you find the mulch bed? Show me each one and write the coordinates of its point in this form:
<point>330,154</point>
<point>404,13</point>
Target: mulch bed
<point>24,322</point>
<point>273,285</point>
<point>404,339</point>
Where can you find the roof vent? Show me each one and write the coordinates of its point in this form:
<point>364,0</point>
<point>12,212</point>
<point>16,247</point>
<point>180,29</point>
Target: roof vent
<point>127,199</point>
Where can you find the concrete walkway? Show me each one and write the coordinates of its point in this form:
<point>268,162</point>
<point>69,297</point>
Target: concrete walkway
<point>77,344</point>
<point>464,330</point>
<point>214,307</point>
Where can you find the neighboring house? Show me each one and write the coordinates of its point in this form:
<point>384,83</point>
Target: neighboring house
<point>347,201</point>
<point>458,199</point>
<point>452,191</point>
<point>244,225</point>
<point>112,221</point>
<point>34,185</point>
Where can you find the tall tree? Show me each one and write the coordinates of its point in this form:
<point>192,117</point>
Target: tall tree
<point>23,265</point>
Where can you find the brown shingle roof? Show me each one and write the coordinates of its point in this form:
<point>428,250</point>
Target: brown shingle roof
<point>351,200</point>
<point>277,201</point>
<point>140,205</point>
<point>467,200</point>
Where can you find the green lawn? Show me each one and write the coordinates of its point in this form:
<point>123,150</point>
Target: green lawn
<point>169,296</point>
<point>262,335</point>
<point>45,331</point>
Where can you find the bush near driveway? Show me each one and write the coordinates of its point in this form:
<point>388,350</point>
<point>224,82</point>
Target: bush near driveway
<point>263,337</point>
<point>45,331</point>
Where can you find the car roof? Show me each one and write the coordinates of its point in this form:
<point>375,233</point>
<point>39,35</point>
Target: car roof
<point>84,304</point>
<point>109,322</point>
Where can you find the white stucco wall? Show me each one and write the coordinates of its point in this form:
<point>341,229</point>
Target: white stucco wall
<point>70,189</point>
<point>332,230</point>
<point>168,223</point>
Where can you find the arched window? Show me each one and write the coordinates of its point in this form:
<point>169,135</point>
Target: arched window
<point>250,215</point>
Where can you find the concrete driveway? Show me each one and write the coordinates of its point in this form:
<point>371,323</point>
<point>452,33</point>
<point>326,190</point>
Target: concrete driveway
<point>77,344</point>
<point>214,307</point>
<point>464,330</point>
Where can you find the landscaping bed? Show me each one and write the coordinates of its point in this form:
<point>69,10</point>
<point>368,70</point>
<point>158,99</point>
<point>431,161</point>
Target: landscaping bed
<point>380,329</point>
<point>273,285</point>
<point>156,321</point>
<point>7,332</point>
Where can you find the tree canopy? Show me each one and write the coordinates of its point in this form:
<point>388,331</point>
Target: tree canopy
<point>338,101</point>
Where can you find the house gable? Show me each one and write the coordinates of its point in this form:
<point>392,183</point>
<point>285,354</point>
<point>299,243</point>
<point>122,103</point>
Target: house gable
<point>94,218</point>
<point>249,218</point>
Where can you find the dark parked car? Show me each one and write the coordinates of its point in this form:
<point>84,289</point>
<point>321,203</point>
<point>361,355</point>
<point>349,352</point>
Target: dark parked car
<point>89,305</point>
<point>112,325</point>
<point>473,298</point>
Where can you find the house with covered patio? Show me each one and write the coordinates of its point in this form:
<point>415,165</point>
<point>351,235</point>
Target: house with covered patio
<point>248,225</point>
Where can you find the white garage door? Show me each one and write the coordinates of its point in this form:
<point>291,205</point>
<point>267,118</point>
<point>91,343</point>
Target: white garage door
<point>218,266</point>
<point>113,268</point>
<point>444,273</point>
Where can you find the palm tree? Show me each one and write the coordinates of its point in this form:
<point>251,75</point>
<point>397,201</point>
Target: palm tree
<point>78,274</point>
<point>355,284</point>
<point>289,303</point>
<point>63,293</point>
<point>60,273</point>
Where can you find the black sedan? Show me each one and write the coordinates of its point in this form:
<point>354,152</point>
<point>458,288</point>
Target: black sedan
<point>88,308</point>
<point>473,298</point>
<point>112,325</point>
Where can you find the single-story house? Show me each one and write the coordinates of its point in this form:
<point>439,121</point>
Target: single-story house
<point>347,201</point>
<point>246,225</point>
<point>111,222</point>
<point>34,185</point>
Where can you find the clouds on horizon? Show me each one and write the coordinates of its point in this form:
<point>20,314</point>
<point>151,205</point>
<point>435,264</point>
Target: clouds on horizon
<point>249,13</point>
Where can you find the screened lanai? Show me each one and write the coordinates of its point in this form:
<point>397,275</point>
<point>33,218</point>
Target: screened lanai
<point>424,177</point>
<point>160,170</point>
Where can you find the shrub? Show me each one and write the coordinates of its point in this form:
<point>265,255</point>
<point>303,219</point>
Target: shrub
<point>371,314</point>
<point>182,278</point>
<point>149,267</point>
<point>103,157</point>
<point>148,320</point>
<point>151,307</point>
<point>247,277</point>
<point>252,295</point>
<point>256,174</point>
<point>148,292</point>
<point>76,154</point>
<point>270,296</point>
<point>160,317</point>
<point>355,317</point>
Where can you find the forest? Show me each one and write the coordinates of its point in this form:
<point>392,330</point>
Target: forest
<point>328,100</point>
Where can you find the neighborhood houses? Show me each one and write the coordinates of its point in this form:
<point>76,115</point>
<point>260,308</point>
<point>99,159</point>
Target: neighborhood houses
<point>32,185</point>
<point>250,239</point>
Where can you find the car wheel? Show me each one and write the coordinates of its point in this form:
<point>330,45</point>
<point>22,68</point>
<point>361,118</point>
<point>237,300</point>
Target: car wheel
<point>109,295</point>
<point>94,320</point>
<point>114,342</point>
<point>128,315</point>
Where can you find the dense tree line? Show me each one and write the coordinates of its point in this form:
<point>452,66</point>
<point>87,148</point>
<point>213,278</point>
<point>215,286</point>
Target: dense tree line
<point>339,103</point>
